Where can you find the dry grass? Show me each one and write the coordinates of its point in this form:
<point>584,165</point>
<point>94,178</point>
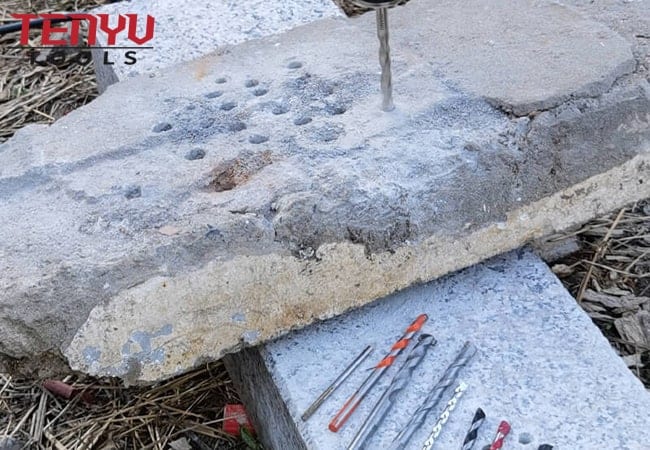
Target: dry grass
<point>39,94</point>
<point>102,414</point>
<point>610,278</point>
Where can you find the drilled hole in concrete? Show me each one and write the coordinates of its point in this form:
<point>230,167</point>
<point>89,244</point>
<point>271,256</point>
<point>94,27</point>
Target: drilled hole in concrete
<point>302,120</point>
<point>195,153</point>
<point>260,92</point>
<point>525,438</point>
<point>206,123</point>
<point>334,109</point>
<point>221,80</point>
<point>251,83</point>
<point>214,94</point>
<point>228,106</point>
<point>162,126</point>
<point>238,317</point>
<point>258,139</point>
<point>190,107</point>
<point>280,109</point>
<point>237,126</point>
<point>294,65</point>
<point>132,192</point>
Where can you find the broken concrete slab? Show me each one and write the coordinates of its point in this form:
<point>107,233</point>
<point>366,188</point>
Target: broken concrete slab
<point>186,33</point>
<point>540,361</point>
<point>231,199</point>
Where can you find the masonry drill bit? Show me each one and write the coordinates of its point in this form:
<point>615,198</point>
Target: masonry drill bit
<point>336,383</point>
<point>444,416</point>
<point>355,7</point>
<point>384,60</point>
<point>355,399</point>
<point>433,398</point>
<point>502,432</point>
<point>397,385</point>
<point>472,434</point>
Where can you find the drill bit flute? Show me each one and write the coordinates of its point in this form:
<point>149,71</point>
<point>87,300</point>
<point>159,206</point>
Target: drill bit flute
<point>433,398</point>
<point>399,383</point>
<point>353,7</point>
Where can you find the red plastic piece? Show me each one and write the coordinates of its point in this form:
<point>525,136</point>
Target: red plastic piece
<point>235,417</point>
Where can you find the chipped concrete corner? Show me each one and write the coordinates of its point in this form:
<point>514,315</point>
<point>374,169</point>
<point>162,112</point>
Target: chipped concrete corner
<point>260,189</point>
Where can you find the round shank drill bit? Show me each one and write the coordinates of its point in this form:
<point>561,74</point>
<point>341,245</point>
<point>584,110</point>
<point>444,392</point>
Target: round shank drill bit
<point>444,416</point>
<point>433,398</point>
<point>336,383</point>
<point>472,434</point>
<point>355,399</point>
<point>397,385</point>
<point>502,432</point>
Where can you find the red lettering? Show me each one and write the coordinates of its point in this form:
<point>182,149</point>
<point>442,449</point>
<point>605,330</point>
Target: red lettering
<point>133,29</point>
<point>111,33</point>
<point>24,31</point>
<point>92,26</point>
<point>48,29</point>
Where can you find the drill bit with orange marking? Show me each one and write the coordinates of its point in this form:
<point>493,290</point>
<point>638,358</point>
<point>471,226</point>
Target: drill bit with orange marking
<point>502,432</point>
<point>355,399</point>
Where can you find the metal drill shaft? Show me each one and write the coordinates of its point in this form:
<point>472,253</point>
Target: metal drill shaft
<point>433,398</point>
<point>397,385</point>
<point>472,434</point>
<point>355,399</point>
<point>444,416</point>
<point>336,383</point>
<point>384,60</point>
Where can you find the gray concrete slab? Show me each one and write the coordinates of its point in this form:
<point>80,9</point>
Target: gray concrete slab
<point>541,364</point>
<point>189,30</point>
<point>228,200</point>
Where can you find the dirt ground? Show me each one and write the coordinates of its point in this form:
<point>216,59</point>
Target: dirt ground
<point>609,276</point>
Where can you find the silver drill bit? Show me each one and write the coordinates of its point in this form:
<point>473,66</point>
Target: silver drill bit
<point>380,369</point>
<point>444,417</point>
<point>384,60</point>
<point>433,398</point>
<point>381,8</point>
<point>336,383</point>
<point>398,384</point>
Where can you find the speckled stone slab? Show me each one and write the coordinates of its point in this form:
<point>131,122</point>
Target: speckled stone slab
<point>542,365</point>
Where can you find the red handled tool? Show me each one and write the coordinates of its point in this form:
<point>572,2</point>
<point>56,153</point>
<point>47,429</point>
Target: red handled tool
<point>355,399</point>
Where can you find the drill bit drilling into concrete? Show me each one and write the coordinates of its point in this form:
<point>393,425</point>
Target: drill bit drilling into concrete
<point>384,60</point>
<point>355,7</point>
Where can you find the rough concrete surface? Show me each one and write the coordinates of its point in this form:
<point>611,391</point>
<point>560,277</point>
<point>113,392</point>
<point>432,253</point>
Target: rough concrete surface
<point>189,30</point>
<point>233,198</point>
<point>541,364</point>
